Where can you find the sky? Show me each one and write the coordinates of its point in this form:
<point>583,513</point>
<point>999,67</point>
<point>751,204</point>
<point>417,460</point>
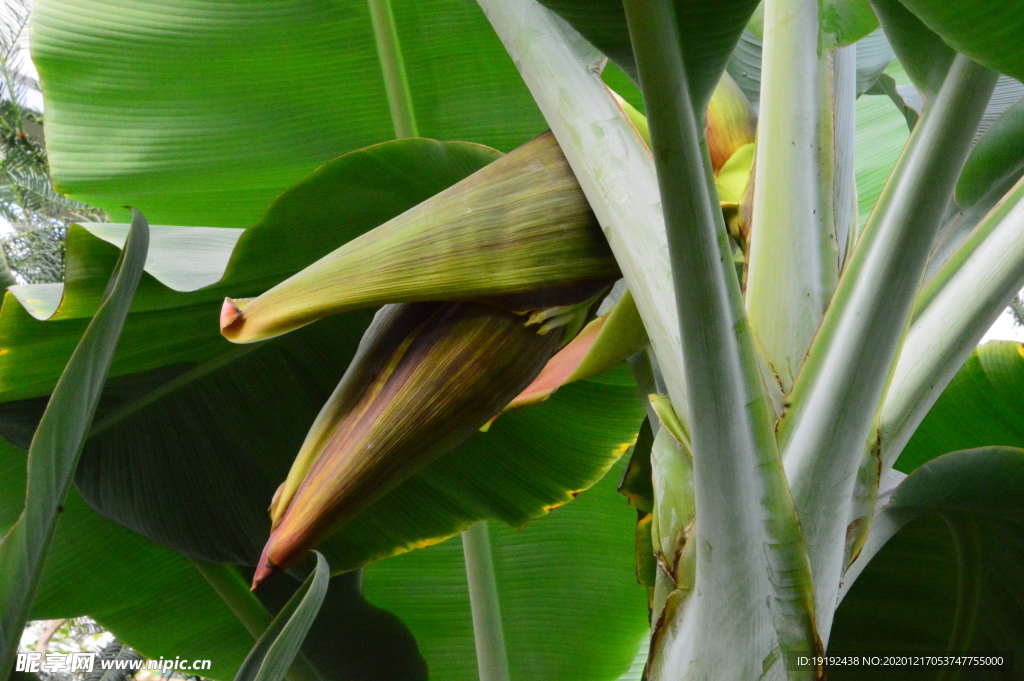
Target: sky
<point>1004,329</point>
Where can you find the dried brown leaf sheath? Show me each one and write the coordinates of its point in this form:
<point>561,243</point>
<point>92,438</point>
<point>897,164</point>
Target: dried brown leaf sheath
<point>425,378</point>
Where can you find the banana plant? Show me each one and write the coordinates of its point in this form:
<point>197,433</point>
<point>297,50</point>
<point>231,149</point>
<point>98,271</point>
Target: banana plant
<point>806,274</point>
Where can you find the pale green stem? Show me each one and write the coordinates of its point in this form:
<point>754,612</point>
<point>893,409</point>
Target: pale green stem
<point>794,248</point>
<point>838,393</point>
<point>954,310</point>
<point>492,661</point>
<point>396,82</point>
<point>235,592</point>
<point>844,189</point>
<point>616,171</point>
<point>749,551</point>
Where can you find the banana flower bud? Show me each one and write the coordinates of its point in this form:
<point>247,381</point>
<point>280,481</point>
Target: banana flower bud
<point>426,377</point>
<point>518,234</point>
<point>731,123</point>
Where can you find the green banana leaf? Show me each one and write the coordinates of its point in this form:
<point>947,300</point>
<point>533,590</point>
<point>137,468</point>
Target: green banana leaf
<point>980,407</point>
<point>874,54</point>
<point>150,597</point>
<point>992,168</point>
<point>577,585</point>
<point>881,134</point>
<point>948,575</point>
<point>155,601</point>
<point>57,444</point>
<point>200,113</point>
<point>997,160</point>
<point>561,620</point>
<point>987,31</point>
<point>744,66</point>
<point>847,21</point>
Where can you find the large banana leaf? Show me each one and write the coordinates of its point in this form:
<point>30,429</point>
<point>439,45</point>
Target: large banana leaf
<point>567,588</point>
<point>200,112</point>
<point>881,133</point>
<point>987,31</point>
<point>260,97</point>
<point>947,574</point>
<point>980,407</point>
<point>150,597</point>
<point>155,601</point>
<point>951,576</point>
<point>561,620</point>
<point>997,160</point>
<point>565,577</point>
<point>224,421</point>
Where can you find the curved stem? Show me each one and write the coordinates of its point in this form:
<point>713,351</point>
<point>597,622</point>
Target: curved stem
<point>953,312</point>
<point>491,658</point>
<point>837,395</point>
<point>396,82</point>
<point>749,551</point>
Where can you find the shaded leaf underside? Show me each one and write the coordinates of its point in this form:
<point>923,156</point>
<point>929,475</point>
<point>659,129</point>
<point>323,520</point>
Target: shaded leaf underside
<point>950,581</point>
